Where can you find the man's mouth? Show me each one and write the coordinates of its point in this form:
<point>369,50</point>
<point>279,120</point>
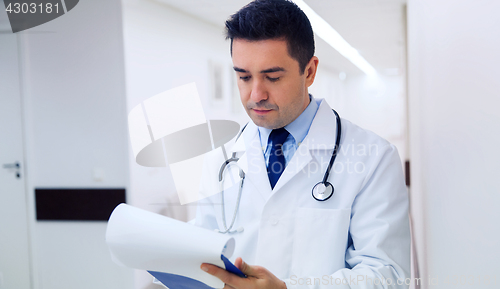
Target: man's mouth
<point>262,111</point>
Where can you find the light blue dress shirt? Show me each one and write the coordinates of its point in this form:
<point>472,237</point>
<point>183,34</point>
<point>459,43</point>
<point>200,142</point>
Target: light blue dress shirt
<point>298,130</point>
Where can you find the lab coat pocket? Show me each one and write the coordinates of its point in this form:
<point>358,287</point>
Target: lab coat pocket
<point>320,241</point>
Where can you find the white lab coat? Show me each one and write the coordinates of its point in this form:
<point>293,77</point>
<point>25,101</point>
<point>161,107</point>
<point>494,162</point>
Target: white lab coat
<point>360,233</point>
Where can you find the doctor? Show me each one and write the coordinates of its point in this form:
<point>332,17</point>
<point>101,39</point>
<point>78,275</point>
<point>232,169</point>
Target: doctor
<point>357,238</point>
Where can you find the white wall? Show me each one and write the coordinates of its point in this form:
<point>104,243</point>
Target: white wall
<point>165,48</point>
<point>374,103</point>
<point>327,85</point>
<point>378,104</point>
<point>454,100</point>
<point>75,117</point>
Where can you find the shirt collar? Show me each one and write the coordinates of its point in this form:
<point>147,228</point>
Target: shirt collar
<point>297,128</point>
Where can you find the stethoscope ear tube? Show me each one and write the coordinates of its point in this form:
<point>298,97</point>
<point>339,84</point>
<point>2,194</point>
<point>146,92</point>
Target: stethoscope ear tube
<point>223,167</point>
<point>242,176</point>
<point>232,159</point>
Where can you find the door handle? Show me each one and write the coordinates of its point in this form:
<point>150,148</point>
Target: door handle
<point>15,165</point>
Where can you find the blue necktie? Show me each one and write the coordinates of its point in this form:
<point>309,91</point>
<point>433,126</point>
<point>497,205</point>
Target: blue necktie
<point>276,164</point>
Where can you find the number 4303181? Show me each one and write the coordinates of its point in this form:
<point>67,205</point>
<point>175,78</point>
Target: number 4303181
<point>32,8</point>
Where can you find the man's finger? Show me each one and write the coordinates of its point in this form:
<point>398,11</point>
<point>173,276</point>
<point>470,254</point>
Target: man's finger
<point>238,263</point>
<point>244,267</point>
<point>226,277</point>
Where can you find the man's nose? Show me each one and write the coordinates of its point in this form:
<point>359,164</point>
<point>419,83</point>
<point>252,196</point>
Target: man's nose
<point>259,91</point>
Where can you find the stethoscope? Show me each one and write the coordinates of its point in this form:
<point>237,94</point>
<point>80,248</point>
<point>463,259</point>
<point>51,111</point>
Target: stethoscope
<point>322,191</point>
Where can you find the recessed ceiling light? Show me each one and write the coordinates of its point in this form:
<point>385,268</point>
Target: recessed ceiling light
<point>326,32</point>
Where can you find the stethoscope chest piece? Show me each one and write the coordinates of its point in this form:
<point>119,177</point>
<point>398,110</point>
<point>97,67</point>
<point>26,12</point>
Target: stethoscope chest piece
<point>322,191</point>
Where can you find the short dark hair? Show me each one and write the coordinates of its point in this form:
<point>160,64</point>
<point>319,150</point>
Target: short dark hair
<point>274,19</point>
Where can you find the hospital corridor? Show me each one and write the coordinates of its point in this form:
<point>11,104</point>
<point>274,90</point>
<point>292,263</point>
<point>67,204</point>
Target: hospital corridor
<point>380,115</point>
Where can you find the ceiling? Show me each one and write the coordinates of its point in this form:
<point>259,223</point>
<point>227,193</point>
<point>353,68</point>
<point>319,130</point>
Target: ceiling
<point>376,28</point>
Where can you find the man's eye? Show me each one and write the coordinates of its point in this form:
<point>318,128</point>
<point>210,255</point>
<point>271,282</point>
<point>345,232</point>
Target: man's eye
<point>273,79</point>
<point>245,78</point>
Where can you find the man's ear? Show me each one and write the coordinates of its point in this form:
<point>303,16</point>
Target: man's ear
<point>310,70</point>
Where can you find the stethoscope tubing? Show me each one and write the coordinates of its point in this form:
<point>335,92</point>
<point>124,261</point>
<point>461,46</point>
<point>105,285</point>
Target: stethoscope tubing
<point>242,176</point>
<point>226,229</point>
<point>336,148</point>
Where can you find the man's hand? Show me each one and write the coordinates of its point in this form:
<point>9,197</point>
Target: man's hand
<point>258,277</point>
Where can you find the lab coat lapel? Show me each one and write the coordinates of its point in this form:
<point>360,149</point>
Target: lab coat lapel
<point>320,136</point>
<point>323,131</point>
<point>251,159</point>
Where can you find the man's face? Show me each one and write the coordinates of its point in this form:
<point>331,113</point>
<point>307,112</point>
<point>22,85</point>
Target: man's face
<point>272,90</point>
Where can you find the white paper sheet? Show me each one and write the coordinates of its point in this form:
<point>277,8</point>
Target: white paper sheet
<point>143,240</point>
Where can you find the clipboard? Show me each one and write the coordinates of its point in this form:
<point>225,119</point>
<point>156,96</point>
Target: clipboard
<point>170,250</point>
